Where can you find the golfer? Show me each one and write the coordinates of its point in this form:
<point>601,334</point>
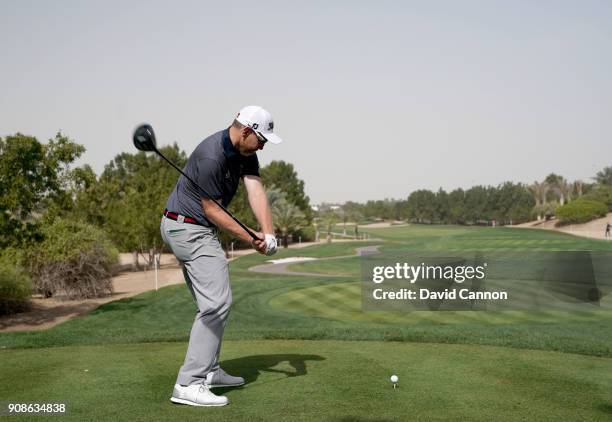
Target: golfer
<point>190,227</point>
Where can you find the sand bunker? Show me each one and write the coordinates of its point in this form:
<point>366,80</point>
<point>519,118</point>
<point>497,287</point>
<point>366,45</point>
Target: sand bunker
<point>291,259</point>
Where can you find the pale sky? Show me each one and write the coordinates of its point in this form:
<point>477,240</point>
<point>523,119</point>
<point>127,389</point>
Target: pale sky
<point>373,99</point>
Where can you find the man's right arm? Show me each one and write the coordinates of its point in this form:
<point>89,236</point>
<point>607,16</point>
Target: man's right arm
<point>219,218</point>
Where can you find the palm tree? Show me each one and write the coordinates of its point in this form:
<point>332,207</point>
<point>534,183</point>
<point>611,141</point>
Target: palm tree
<point>539,191</point>
<point>578,185</point>
<point>287,218</point>
<point>565,191</point>
<point>558,185</point>
<point>328,218</point>
<point>274,194</point>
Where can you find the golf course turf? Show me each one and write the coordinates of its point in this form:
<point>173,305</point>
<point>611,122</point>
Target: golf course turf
<point>308,352</point>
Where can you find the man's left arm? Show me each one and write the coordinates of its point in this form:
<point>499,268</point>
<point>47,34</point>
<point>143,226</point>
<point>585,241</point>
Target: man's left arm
<point>261,208</point>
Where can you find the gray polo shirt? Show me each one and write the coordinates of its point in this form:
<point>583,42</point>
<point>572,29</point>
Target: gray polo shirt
<point>217,167</point>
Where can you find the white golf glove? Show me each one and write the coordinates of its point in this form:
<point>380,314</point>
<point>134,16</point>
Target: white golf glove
<point>271,246</point>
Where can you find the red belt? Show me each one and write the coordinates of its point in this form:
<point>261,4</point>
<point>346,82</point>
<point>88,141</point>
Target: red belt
<point>181,218</point>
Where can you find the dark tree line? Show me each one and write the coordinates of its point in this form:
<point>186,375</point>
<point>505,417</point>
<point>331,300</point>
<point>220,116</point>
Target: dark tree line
<point>507,203</point>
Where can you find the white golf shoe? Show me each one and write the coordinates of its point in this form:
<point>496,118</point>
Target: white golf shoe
<point>196,395</point>
<point>220,378</point>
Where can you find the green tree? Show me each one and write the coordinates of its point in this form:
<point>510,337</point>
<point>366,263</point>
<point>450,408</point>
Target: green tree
<point>353,208</point>
<point>328,217</point>
<point>128,199</point>
<point>422,206</point>
<point>442,207</point>
<point>35,180</point>
<point>476,200</point>
<point>514,203</point>
<point>456,205</point>
<point>283,175</point>
<point>604,177</point>
<point>350,213</point>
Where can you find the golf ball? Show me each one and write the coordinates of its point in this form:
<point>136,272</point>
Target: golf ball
<point>394,379</point>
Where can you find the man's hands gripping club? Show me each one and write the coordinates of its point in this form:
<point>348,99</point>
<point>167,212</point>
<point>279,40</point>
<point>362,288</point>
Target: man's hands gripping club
<point>268,246</point>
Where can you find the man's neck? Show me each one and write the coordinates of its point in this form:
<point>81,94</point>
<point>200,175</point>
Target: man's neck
<point>234,135</point>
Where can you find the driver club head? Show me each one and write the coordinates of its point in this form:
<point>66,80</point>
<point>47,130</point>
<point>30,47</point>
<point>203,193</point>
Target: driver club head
<point>144,138</point>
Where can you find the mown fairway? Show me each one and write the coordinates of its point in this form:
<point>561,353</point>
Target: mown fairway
<point>342,300</point>
<point>309,352</point>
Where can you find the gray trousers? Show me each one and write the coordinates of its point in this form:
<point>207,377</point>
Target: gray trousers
<point>207,276</point>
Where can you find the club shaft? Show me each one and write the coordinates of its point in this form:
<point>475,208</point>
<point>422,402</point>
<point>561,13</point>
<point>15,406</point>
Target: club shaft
<point>209,197</point>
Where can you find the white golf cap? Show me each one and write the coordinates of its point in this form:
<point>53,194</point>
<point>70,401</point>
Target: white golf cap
<point>260,121</point>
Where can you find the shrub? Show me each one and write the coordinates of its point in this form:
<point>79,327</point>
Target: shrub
<point>306,233</point>
<point>75,258</point>
<point>601,193</point>
<point>15,287</point>
<point>580,211</point>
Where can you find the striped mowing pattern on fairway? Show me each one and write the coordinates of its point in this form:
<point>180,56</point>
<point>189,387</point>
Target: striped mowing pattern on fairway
<point>342,301</point>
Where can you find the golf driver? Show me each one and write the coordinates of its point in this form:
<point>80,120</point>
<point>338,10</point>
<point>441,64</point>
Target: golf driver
<point>144,140</point>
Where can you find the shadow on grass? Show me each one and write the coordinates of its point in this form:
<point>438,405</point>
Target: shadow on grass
<point>250,367</point>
